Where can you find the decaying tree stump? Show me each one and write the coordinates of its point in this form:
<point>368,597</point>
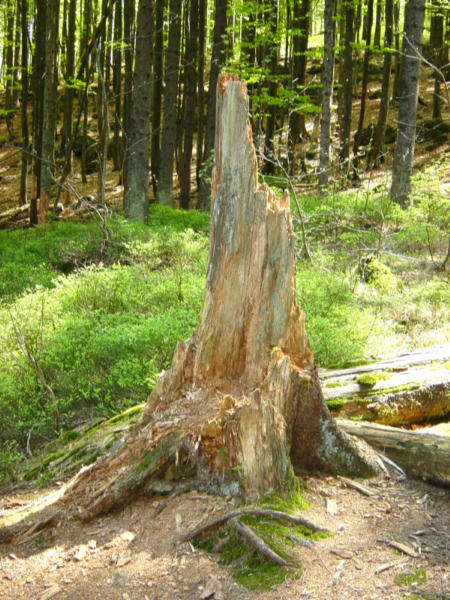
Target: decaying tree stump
<point>241,404</point>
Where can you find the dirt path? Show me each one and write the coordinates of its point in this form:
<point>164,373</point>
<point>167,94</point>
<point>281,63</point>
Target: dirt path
<point>132,556</point>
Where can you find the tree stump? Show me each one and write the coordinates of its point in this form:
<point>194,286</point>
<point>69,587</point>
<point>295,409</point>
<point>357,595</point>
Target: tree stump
<point>241,404</point>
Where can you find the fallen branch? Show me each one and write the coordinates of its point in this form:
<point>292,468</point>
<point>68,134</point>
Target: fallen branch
<point>256,512</point>
<point>258,543</point>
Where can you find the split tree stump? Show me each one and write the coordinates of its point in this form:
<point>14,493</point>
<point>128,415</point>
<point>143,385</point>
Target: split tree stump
<point>241,404</point>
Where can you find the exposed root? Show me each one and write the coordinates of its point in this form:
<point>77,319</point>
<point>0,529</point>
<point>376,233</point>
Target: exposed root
<point>250,537</point>
<point>256,512</point>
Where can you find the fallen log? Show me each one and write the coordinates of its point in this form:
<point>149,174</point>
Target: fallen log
<point>15,217</point>
<point>408,389</point>
<point>421,454</point>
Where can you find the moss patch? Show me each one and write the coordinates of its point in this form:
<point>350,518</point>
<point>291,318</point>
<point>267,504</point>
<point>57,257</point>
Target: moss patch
<point>418,576</point>
<point>371,379</point>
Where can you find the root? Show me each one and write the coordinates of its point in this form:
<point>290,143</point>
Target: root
<point>249,536</point>
<point>256,512</point>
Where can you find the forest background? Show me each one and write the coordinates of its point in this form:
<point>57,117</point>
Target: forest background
<point>107,106</point>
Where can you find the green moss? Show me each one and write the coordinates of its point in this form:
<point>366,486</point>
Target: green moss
<point>336,403</point>
<point>333,384</point>
<point>371,379</point>
<point>52,458</point>
<point>32,473</point>
<point>290,504</point>
<point>259,575</point>
<point>418,576</point>
<point>134,411</point>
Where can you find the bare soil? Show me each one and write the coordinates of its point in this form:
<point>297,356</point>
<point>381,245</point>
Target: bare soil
<point>133,555</point>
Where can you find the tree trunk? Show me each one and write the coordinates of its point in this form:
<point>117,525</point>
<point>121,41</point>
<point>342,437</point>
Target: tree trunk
<point>421,454</point>
<point>217,60</point>
<point>365,80</point>
<point>190,84</point>
<point>157,92</point>
<point>407,112</point>
<point>344,151</point>
<point>241,403</point>
<point>271,17</point>
<point>378,19</point>
<point>327,90</point>
<point>438,52</point>
<point>117,89</point>
<point>24,101</point>
<point>201,85</point>
<point>169,127</point>
<point>137,172</point>
<point>67,142</point>
<point>397,68</point>
<point>49,107</point>
<point>128,40</point>
<point>380,129</point>
<point>300,47</point>
<point>9,41</point>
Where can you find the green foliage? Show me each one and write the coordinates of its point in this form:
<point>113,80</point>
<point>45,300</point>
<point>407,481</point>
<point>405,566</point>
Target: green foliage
<point>10,460</point>
<point>337,327</point>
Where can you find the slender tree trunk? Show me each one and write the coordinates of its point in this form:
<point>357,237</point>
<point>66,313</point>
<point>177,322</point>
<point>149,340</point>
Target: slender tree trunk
<point>407,112</point>
<point>24,102</point>
<point>217,60</point>
<point>272,76</point>
<point>380,129</point>
<point>438,51</point>
<point>157,92</point>
<point>137,182</point>
<point>38,70</point>
<point>128,39</point>
<point>203,6</point>
<point>398,62</point>
<point>327,90</point>
<point>190,82</point>
<point>67,142</point>
<point>117,89</point>
<point>169,127</point>
<point>365,80</point>
<point>16,69</point>
<point>378,22</point>
<point>49,106</point>
<point>84,96</point>
<point>300,24</point>
<point>9,42</point>
<point>344,151</point>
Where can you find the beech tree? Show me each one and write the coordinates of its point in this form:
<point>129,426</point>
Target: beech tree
<point>407,112</point>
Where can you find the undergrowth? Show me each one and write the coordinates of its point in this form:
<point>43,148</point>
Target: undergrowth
<point>85,330</point>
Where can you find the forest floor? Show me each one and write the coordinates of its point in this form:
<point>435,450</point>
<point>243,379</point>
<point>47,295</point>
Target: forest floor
<point>132,555</point>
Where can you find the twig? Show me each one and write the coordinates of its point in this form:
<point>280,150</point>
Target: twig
<point>258,543</point>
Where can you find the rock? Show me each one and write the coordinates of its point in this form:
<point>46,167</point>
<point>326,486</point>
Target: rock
<point>50,593</point>
<point>127,536</point>
<point>213,589</point>
<point>80,554</point>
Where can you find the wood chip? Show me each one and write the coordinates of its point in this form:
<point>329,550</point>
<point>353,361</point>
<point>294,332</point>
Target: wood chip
<point>409,550</point>
<point>50,593</point>
<point>213,589</point>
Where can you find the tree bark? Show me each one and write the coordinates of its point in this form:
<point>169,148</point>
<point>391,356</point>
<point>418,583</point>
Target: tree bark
<point>189,100</point>
<point>344,152</point>
<point>365,80</point>
<point>169,127</point>
<point>24,101</point>
<point>380,129</point>
<point>241,403</point>
<point>157,92</point>
<point>300,47</point>
<point>407,112</point>
<point>137,172</point>
<point>327,90</point>
<point>217,60</point>
<point>438,52</point>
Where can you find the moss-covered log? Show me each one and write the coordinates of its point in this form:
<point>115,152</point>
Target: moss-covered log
<point>407,389</point>
<point>421,454</point>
